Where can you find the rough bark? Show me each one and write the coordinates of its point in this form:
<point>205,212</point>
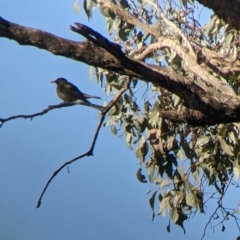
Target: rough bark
<point>203,103</point>
<point>228,10</point>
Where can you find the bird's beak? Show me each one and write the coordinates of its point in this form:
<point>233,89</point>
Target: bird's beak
<point>55,81</point>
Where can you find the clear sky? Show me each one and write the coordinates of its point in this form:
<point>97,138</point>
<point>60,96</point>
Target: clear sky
<point>100,198</point>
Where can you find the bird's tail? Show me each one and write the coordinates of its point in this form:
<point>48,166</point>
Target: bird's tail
<point>90,96</point>
<point>88,104</point>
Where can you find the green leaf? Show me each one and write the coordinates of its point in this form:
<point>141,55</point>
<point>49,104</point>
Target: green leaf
<point>110,77</point>
<point>129,140</point>
<point>195,173</point>
<point>113,129</point>
<point>76,6</point>
<point>236,167</point>
<point>146,106</point>
<point>225,147</point>
<point>164,205</point>
<point>169,170</point>
<point>170,143</point>
<point>150,171</point>
<point>202,140</point>
<point>164,183</point>
<point>179,218</point>
<point>180,154</point>
<point>139,154</point>
<point>87,5</point>
<point>124,4</point>
<point>174,215</point>
<point>107,12</point>
<point>154,116</point>
<point>191,200</point>
<point>168,227</point>
<point>122,34</point>
<point>144,147</point>
<point>151,202</point>
<point>91,71</point>
<point>175,99</point>
<point>140,176</point>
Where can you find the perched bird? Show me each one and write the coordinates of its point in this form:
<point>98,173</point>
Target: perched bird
<point>68,92</point>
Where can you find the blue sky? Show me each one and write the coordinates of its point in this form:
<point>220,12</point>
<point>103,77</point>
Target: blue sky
<point>100,198</point>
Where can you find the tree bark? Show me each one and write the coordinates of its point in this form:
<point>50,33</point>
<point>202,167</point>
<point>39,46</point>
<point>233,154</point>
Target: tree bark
<point>228,10</point>
<point>202,104</point>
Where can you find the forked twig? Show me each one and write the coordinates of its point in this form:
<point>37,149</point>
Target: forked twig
<point>90,151</point>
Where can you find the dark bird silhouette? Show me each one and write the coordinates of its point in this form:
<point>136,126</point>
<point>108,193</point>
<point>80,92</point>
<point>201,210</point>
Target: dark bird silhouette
<point>69,93</point>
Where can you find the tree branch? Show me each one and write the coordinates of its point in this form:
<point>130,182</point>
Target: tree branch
<point>228,10</point>
<point>49,108</point>
<point>90,151</point>
<point>218,107</point>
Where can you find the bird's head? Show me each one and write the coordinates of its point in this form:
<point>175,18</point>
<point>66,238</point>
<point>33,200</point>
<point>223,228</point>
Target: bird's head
<point>59,81</point>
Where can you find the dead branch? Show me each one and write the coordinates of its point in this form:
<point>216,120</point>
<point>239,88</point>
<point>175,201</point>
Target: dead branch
<point>90,151</point>
<point>46,110</point>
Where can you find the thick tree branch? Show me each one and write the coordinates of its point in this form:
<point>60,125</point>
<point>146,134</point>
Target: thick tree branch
<point>184,114</point>
<point>127,17</point>
<point>187,54</point>
<point>228,10</point>
<point>218,106</point>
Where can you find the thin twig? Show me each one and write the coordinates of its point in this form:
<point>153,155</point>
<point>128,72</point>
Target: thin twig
<point>49,108</point>
<point>218,207</point>
<point>90,151</point>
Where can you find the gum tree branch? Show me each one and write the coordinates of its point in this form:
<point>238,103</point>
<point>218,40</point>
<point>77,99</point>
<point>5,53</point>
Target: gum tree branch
<point>207,103</point>
<point>228,10</point>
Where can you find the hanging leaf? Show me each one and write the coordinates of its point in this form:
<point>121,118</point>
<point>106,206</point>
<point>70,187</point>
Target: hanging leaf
<point>107,12</point>
<point>150,171</point>
<point>91,71</point>
<point>180,154</point>
<point>140,176</point>
<point>76,6</point>
<point>139,154</point>
<point>202,140</point>
<point>178,218</point>
<point>87,5</point>
<point>225,147</point>
<point>151,202</point>
<point>236,168</point>
<point>191,200</point>
<point>113,129</point>
<point>129,140</point>
<point>168,227</point>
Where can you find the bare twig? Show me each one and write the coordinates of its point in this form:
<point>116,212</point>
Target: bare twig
<point>220,206</point>
<point>49,108</point>
<point>90,151</point>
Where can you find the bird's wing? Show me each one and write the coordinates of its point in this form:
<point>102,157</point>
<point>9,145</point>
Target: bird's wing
<point>76,94</point>
<point>72,91</point>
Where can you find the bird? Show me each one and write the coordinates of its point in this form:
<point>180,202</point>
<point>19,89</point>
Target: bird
<point>69,93</point>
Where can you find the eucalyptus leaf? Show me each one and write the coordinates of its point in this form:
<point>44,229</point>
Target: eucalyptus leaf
<point>140,176</point>
<point>151,202</point>
<point>113,129</point>
<point>191,200</point>
<point>87,5</point>
<point>225,147</point>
